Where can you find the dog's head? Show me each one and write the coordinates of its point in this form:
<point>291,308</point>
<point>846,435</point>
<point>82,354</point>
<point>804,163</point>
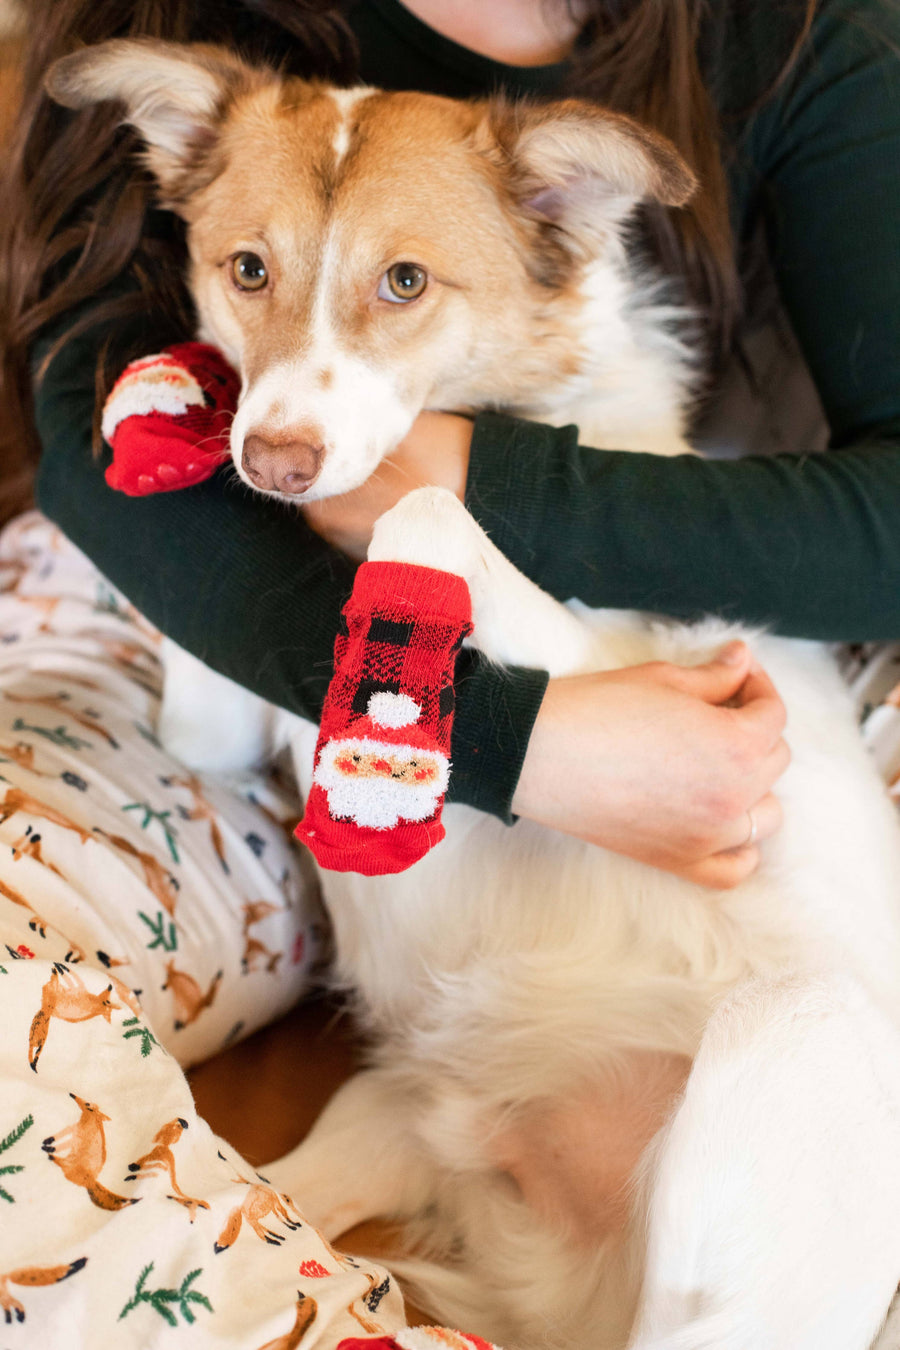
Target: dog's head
<point>360,255</point>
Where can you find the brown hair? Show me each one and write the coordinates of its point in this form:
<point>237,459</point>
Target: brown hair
<point>76,199</point>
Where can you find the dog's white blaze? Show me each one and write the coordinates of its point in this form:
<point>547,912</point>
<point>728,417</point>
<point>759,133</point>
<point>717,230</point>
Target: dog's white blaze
<point>346,100</point>
<point>360,415</point>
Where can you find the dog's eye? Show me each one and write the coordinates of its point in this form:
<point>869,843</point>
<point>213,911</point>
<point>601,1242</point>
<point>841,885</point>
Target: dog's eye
<point>249,271</point>
<point>403,281</point>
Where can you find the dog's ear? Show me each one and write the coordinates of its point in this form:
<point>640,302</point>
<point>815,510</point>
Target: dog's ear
<point>582,168</point>
<point>175,96</point>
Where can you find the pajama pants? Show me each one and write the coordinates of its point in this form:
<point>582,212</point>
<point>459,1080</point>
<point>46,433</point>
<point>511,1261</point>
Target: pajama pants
<point>147,919</point>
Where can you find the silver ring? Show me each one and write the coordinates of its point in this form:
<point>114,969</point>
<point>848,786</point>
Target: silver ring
<point>751,837</point>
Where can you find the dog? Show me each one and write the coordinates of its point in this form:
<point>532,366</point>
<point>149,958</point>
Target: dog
<point>765,1214</point>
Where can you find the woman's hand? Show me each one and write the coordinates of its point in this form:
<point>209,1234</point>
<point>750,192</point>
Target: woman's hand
<point>435,452</point>
<point>662,763</point>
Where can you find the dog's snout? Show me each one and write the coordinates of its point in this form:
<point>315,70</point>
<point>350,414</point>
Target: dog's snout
<point>290,466</point>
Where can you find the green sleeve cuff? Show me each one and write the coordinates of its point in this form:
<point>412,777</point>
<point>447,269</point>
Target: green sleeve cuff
<point>495,712</point>
<point>512,464</point>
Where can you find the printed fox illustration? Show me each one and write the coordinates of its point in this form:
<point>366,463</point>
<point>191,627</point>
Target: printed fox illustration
<point>79,1151</point>
<point>254,950</point>
<point>306,1315</point>
<point>161,1159</point>
<point>66,997</point>
<point>202,810</point>
<point>22,755</point>
<point>32,1277</point>
<point>29,846</point>
<point>190,1000</point>
<point>157,879</point>
<point>259,1202</point>
<point>370,1301</point>
<point>17,800</point>
<point>38,925</point>
<point>35,922</point>
<point>44,604</point>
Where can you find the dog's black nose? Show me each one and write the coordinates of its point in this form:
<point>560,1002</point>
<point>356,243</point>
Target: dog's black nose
<point>290,466</point>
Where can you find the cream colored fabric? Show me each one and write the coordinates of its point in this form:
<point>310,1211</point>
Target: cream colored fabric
<point>146,919</point>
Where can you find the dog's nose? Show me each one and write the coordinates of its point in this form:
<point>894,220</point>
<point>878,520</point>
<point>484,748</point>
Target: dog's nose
<point>290,466</point>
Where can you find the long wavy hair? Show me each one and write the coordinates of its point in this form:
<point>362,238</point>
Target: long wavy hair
<point>76,199</point>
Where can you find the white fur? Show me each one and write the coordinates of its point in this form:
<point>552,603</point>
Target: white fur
<point>346,100</point>
<point>511,964</point>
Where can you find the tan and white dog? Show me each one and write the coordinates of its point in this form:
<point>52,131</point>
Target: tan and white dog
<point>360,256</point>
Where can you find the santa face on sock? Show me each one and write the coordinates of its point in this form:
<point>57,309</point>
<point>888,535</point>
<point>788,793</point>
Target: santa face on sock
<point>383,769</point>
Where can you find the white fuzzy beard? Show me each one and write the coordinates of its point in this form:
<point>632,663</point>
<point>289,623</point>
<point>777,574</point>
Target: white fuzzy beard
<point>379,803</point>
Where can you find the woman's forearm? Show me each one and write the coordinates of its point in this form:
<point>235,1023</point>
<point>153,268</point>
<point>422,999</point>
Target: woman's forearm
<point>805,545</point>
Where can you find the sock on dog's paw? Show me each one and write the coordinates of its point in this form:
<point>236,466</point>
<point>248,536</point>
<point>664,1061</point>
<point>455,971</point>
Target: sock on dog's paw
<point>382,758</point>
<point>167,419</point>
<point>419,1338</point>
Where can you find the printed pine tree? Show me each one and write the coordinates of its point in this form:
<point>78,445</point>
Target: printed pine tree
<point>166,1301</point>
<point>56,735</point>
<point>10,1169</point>
<point>162,817</point>
<point>163,936</point>
<point>137,1028</point>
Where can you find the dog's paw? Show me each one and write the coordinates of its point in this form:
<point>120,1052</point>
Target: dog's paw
<point>431,528</point>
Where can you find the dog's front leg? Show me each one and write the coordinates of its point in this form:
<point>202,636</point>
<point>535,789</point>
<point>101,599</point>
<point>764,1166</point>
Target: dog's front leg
<point>515,621</point>
<point>209,723</point>
<point>775,1193</point>
<point>359,1161</point>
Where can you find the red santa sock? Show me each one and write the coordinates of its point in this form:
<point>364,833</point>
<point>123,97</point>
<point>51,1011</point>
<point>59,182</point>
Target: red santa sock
<point>168,418</point>
<point>382,759</point>
<point>418,1338</point>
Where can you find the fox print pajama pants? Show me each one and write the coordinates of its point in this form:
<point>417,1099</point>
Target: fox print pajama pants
<point>147,919</point>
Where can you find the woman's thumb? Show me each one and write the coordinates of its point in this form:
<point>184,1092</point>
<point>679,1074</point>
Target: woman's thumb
<point>718,680</point>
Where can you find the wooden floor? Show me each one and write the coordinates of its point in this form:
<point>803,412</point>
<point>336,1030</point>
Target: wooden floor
<point>264,1093</point>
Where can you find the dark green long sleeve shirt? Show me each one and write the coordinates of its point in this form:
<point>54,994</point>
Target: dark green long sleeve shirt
<point>809,544</point>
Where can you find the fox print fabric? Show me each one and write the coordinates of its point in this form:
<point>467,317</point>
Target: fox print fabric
<point>147,918</point>
<point>111,853</point>
<point>123,1220</point>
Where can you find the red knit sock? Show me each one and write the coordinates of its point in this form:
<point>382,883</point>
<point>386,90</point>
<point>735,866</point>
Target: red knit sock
<point>382,758</point>
<point>167,419</point>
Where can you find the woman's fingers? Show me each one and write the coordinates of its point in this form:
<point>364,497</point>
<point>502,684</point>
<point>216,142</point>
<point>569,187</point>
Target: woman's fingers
<point>758,707</point>
<point>662,763</point>
<point>758,823</point>
<point>716,681</point>
<point>723,871</point>
<point>728,868</point>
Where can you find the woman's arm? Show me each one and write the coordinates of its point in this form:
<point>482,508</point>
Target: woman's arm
<point>245,585</point>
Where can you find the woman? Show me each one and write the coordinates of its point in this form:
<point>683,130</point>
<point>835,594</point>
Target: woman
<point>810,133</point>
<point>561,784</point>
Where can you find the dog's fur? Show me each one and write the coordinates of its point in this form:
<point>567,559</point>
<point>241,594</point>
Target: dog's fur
<point>511,966</point>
